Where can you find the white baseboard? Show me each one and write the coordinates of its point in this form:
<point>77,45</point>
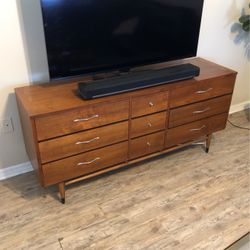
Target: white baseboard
<point>239,107</point>
<point>26,166</point>
<point>15,170</point>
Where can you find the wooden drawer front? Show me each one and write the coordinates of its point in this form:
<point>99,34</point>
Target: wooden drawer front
<point>81,119</point>
<point>186,133</point>
<point>149,104</point>
<point>199,111</point>
<point>65,146</point>
<point>202,90</point>
<point>146,145</point>
<point>86,163</point>
<point>218,122</point>
<point>195,130</point>
<point>148,124</point>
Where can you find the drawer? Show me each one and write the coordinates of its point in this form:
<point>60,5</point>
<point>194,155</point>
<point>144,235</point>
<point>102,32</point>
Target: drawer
<point>81,119</point>
<point>218,122</point>
<point>199,111</point>
<point>149,104</point>
<point>203,90</point>
<point>65,146</point>
<point>148,124</point>
<point>83,164</point>
<point>186,133</point>
<point>195,130</point>
<point>146,145</point>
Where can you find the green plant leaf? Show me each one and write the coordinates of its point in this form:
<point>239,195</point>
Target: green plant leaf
<point>244,18</point>
<point>246,26</point>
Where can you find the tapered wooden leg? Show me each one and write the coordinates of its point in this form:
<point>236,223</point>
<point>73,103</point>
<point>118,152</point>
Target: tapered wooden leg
<point>62,192</point>
<point>208,141</point>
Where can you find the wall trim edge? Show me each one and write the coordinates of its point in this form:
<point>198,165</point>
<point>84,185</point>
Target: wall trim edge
<point>15,170</point>
<point>239,107</point>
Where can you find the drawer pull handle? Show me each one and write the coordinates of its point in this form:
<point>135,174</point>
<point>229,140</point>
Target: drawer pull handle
<point>86,142</point>
<point>150,125</point>
<point>86,119</point>
<point>201,111</point>
<point>198,129</point>
<point>149,144</point>
<point>203,91</point>
<point>151,104</point>
<point>88,162</point>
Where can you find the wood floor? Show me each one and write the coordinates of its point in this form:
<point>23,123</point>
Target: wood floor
<point>184,200</point>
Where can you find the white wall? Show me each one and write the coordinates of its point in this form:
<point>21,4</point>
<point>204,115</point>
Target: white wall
<point>13,72</point>
<point>220,44</point>
<point>23,58</point>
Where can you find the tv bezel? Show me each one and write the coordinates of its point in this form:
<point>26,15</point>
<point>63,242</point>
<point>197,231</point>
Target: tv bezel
<point>118,67</point>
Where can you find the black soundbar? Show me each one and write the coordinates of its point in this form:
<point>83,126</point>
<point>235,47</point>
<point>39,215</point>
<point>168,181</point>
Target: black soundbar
<point>136,80</point>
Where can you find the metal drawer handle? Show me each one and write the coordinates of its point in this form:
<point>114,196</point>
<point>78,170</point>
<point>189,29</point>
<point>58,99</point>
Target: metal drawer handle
<point>150,124</point>
<point>86,119</point>
<point>201,111</point>
<point>149,144</point>
<point>88,162</point>
<point>151,104</point>
<point>198,129</point>
<point>203,91</point>
<point>86,142</point>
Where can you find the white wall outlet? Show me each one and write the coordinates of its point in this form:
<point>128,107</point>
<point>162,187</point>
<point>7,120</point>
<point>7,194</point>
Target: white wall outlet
<point>6,126</point>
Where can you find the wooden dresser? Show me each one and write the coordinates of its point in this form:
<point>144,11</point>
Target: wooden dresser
<point>69,139</point>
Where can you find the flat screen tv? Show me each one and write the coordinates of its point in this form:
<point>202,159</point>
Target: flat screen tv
<point>89,36</point>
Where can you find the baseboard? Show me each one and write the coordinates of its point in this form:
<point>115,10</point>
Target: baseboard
<point>15,170</point>
<point>239,107</point>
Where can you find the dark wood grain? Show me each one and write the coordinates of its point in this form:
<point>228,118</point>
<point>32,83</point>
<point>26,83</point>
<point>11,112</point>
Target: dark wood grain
<point>130,127</point>
<point>67,169</point>
<point>148,124</point>
<point>195,130</point>
<point>30,140</point>
<point>65,146</point>
<point>55,97</point>
<point>146,145</point>
<point>197,111</point>
<point>185,133</point>
<point>149,104</point>
<point>217,123</point>
<point>203,90</point>
<point>64,122</point>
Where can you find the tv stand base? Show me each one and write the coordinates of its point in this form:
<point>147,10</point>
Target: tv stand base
<point>202,141</point>
<point>70,140</point>
<point>61,187</point>
<point>208,142</point>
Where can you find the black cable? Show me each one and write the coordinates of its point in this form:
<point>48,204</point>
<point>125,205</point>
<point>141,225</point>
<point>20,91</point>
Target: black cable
<point>237,125</point>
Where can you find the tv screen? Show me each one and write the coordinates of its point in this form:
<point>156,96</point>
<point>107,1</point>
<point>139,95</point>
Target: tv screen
<point>87,36</point>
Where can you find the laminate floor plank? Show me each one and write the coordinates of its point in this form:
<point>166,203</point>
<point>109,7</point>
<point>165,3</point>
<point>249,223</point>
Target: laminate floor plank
<point>182,205</point>
<point>184,200</point>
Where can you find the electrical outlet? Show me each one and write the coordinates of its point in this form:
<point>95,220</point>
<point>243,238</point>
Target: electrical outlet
<point>6,126</point>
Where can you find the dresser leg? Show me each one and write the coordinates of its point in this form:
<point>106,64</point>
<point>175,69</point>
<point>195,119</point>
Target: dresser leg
<point>208,141</point>
<point>62,192</point>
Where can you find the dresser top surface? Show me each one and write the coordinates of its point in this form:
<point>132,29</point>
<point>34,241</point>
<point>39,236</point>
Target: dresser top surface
<point>47,98</point>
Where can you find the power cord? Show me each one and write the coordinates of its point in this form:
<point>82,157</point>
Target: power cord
<point>237,125</point>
